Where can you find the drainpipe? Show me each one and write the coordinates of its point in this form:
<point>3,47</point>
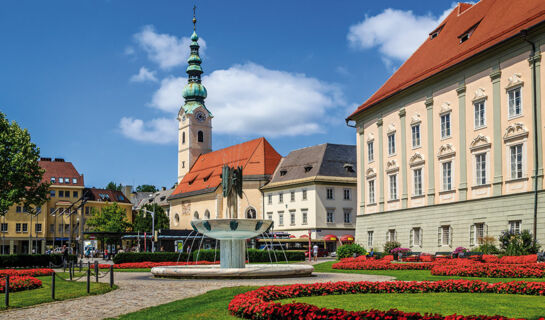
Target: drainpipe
<point>524,34</point>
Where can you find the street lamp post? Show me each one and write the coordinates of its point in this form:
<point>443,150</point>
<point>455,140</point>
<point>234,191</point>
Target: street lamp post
<point>152,227</point>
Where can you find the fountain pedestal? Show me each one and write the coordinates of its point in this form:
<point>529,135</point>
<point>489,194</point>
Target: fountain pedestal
<point>232,253</point>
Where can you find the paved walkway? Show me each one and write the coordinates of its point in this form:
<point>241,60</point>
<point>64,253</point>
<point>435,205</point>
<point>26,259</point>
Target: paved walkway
<point>138,290</point>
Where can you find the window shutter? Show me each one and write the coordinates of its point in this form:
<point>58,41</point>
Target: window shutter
<point>439,236</point>
<point>421,236</point>
<point>395,235</point>
<point>411,237</point>
<point>485,230</point>
<point>472,235</point>
<point>450,236</point>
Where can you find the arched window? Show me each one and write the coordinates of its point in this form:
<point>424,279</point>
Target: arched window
<point>196,215</point>
<point>251,213</point>
<point>183,137</point>
<point>200,136</point>
<point>176,219</point>
<point>207,214</point>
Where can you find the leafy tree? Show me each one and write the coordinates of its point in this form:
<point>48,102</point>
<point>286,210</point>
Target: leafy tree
<point>142,220</point>
<point>20,174</point>
<point>113,186</point>
<point>146,188</point>
<point>518,244</point>
<point>111,218</point>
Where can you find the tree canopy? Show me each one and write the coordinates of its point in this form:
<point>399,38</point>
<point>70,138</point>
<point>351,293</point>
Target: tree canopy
<point>142,220</point>
<point>146,188</point>
<point>113,186</point>
<point>111,218</point>
<point>20,174</point>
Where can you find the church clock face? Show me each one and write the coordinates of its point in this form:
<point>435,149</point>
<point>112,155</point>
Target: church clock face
<point>200,116</point>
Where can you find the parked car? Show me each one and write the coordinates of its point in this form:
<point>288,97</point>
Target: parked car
<point>321,253</point>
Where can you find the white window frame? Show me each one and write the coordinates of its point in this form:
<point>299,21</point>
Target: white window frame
<point>443,185</point>
<point>370,234</point>
<point>391,235</point>
<point>371,193</point>
<point>509,91</point>
<point>392,144</point>
<point>304,215</point>
<point>515,226</point>
<point>481,168</point>
<point>415,237</point>
<point>370,151</point>
<point>441,242</point>
<point>522,160</point>
<point>474,234</point>
<point>304,194</point>
<point>347,212</point>
<point>280,218</point>
<point>292,217</point>
<point>269,215</point>
<point>330,213</point>
<point>292,196</point>
<point>270,198</point>
<point>421,182</point>
<point>479,120</point>
<point>347,194</point>
<point>392,188</point>
<point>281,197</point>
<point>329,194</point>
<point>416,141</point>
<point>446,126</point>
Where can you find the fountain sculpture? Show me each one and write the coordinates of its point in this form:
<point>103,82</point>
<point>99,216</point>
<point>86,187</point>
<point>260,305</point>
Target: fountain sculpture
<point>232,233</point>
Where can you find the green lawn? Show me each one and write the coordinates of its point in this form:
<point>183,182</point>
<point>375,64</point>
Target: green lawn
<point>413,275</point>
<point>516,306</point>
<point>211,305</point>
<point>63,290</point>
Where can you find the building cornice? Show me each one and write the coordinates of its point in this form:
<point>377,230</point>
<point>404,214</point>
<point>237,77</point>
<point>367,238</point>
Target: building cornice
<point>311,180</point>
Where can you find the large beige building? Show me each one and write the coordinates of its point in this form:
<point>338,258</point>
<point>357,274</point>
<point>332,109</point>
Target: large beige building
<point>313,189</point>
<point>450,148</point>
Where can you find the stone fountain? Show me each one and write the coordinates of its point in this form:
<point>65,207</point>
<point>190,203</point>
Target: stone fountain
<point>232,233</point>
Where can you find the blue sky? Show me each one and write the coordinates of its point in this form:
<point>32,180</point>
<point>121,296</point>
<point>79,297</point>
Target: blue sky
<point>99,82</point>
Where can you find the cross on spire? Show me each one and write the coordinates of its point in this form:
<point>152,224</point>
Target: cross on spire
<point>194,18</point>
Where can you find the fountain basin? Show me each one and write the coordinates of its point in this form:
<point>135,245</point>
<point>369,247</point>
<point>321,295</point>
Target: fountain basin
<point>249,271</point>
<point>231,229</point>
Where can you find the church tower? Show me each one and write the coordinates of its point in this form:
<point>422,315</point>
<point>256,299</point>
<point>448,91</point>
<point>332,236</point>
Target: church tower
<point>195,121</point>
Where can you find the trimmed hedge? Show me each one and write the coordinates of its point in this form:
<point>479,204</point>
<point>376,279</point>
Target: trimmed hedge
<point>125,257</point>
<point>205,255</point>
<point>31,260</point>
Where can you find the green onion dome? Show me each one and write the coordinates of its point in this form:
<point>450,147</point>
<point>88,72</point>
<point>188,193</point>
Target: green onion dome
<point>194,91</point>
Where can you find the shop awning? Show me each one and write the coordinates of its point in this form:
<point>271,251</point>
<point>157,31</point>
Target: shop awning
<point>347,238</point>
<point>330,237</point>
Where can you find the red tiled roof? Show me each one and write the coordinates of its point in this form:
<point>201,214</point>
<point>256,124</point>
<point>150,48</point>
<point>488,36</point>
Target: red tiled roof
<point>94,194</point>
<point>58,168</point>
<point>497,21</point>
<point>257,157</point>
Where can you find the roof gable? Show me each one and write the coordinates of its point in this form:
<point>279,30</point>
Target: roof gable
<point>495,21</point>
<point>257,157</point>
<point>59,169</point>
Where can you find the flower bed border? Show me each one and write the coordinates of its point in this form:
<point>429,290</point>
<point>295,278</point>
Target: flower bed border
<point>259,304</point>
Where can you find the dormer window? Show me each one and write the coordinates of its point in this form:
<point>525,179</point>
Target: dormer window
<point>283,172</point>
<point>207,177</point>
<point>436,32</point>
<point>192,180</point>
<point>308,168</point>
<point>52,179</point>
<point>349,168</point>
<point>466,35</point>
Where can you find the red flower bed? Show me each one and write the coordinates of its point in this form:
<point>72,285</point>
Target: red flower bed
<point>139,265</point>
<point>26,272</point>
<point>491,270</point>
<point>259,303</point>
<point>355,264</point>
<point>19,283</point>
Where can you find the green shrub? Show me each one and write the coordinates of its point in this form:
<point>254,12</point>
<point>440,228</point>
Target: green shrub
<point>348,250</point>
<point>32,260</point>
<point>391,245</point>
<point>149,256</point>
<point>206,255</point>
<point>518,244</point>
<point>488,246</point>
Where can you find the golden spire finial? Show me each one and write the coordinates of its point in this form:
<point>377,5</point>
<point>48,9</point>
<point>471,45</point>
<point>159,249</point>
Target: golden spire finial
<point>194,18</point>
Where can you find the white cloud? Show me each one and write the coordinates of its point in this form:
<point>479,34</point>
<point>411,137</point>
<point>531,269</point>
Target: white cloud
<point>250,99</point>
<point>158,131</point>
<point>144,75</point>
<point>396,33</point>
<point>166,50</point>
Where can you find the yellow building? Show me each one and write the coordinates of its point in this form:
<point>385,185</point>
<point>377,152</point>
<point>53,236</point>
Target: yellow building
<point>57,221</point>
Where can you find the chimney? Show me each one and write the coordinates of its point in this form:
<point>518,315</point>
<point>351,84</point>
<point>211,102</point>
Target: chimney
<point>45,159</point>
<point>127,191</point>
<point>59,160</point>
